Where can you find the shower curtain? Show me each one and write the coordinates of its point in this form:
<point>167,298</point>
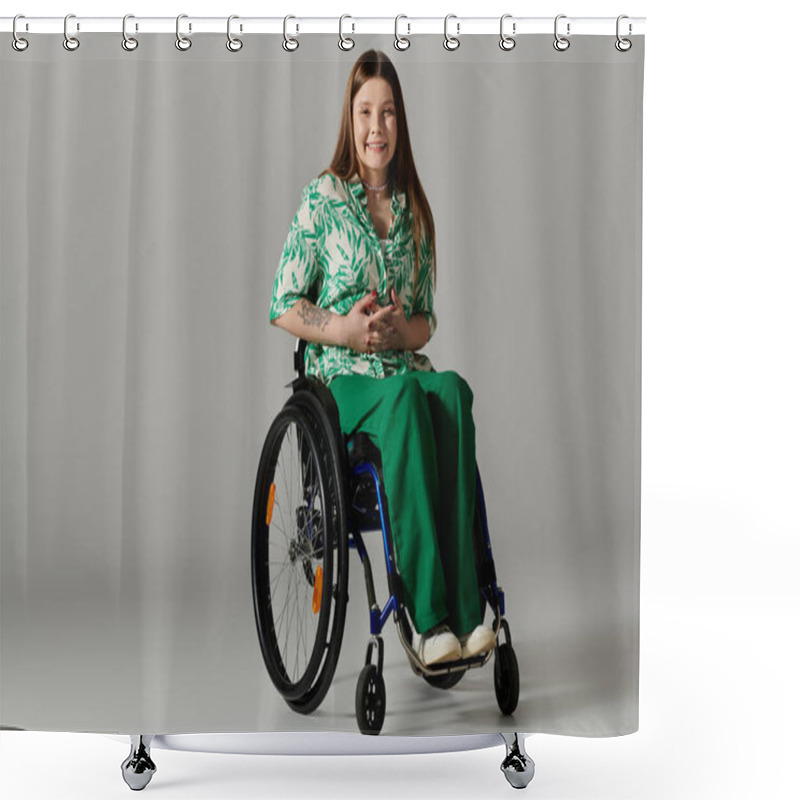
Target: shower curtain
<point>146,199</point>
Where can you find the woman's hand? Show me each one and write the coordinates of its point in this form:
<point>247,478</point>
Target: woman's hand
<point>356,324</point>
<point>371,328</point>
<point>388,327</point>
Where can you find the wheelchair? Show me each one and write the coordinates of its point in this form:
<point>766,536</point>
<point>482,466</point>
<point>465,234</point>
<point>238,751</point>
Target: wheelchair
<point>316,494</point>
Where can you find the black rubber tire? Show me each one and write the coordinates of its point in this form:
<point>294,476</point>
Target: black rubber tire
<point>370,700</point>
<point>446,681</point>
<point>506,678</point>
<point>302,684</point>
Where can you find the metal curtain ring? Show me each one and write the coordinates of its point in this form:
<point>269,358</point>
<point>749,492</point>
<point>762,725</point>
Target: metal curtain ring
<point>182,42</point>
<point>344,42</point>
<point>507,42</point>
<point>400,42</point>
<point>70,42</point>
<point>18,43</point>
<point>290,44</point>
<point>129,43</point>
<point>623,45</point>
<point>561,43</point>
<point>451,42</point>
<point>233,44</point>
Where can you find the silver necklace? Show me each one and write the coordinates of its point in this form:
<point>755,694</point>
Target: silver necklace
<point>375,188</point>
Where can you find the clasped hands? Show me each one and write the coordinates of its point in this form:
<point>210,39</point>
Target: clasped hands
<point>373,328</point>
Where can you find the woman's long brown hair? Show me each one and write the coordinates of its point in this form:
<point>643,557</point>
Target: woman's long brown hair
<point>402,172</point>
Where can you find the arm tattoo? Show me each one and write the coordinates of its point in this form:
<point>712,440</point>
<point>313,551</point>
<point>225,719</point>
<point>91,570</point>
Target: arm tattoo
<point>312,315</point>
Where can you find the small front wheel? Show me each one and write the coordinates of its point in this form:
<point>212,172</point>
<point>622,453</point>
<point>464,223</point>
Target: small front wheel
<point>370,700</point>
<point>506,678</point>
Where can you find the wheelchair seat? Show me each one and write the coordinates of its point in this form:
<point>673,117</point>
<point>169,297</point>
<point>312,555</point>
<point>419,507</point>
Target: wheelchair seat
<point>361,448</point>
<point>364,505</point>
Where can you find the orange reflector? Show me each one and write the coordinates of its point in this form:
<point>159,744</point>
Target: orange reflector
<point>270,502</point>
<point>316,602</point>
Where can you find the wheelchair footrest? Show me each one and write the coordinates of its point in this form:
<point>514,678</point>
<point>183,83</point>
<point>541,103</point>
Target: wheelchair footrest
<point>452,666</point>
<point>433,670</point>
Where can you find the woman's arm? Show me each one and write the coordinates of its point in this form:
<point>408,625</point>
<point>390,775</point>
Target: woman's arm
<point>417,333</point>
<point>312,323</point>
<point>362,329</point>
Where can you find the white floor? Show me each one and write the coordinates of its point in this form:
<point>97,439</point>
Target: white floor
<point>719,705</point>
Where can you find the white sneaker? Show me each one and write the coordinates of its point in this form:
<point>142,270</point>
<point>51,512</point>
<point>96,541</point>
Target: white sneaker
<point>436,646</point>
<point>481,640</point>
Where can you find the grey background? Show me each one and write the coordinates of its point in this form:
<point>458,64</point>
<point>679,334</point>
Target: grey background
<point>145,199</point>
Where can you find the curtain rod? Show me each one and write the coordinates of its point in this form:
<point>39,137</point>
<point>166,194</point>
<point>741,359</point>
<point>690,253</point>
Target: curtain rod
<point>459,26</point>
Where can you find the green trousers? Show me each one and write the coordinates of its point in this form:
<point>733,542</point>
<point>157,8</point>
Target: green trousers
<point>422,423</point>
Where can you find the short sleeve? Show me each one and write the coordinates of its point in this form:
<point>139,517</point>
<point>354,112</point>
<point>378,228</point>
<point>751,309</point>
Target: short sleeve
<point>299,271</point>
<point>423,293</point>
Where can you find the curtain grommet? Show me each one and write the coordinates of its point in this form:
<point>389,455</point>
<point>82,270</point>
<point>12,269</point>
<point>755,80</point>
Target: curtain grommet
<point>129,43</point>
<point>17,42</point>
<point>290,44</point>
<point>622,44</point>
<point>507,42</point>
<point>233,44</point>
<point>345,43</point>
<point>183,43</point>
<point>451,43</point>
<point>401,43</point>
<point>71,43</point>
<point>561,43</point>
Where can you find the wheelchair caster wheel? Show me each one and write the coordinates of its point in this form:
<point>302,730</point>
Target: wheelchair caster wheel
<point>370,700</point>
<point>138,768</point>
<point>518,766</point>
<point>506,678</point>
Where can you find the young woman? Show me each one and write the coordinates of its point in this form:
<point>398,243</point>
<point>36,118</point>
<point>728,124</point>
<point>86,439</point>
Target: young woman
<point>356,281</point>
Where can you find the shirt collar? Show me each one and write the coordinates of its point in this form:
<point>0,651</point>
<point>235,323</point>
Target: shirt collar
<point>360,193</point>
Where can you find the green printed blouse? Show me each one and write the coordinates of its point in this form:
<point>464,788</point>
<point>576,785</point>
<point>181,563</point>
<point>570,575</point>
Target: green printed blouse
<point>333,257</point>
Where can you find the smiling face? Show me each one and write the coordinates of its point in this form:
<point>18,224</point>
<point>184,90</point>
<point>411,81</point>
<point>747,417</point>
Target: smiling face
<point>374,129</point>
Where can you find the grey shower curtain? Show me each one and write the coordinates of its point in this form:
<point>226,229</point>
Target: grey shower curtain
<point>146,197</point>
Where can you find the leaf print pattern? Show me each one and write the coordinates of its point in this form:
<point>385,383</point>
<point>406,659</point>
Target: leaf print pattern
<point>333,256</point>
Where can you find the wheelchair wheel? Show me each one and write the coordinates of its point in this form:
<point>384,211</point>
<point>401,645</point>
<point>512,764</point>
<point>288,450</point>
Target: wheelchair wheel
<point>370,700</point>
<point>299,556</point>
<point>506,678</point>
